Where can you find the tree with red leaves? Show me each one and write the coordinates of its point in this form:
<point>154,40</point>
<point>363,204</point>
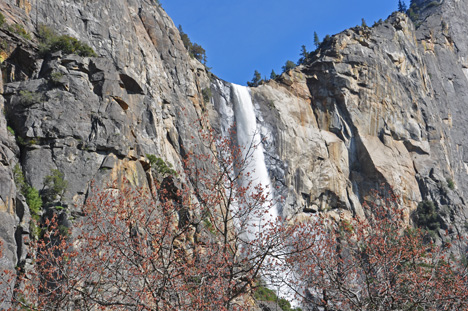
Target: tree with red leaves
<point>7,280</point>
<point>205,244</point>
<point>380,263</point>
<point>201,245</point>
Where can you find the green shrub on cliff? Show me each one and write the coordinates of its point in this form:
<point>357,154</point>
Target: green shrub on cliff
<point>198,52</point>
<point>206,92</point>
<point>265,294</point>
<point>2,19</point>
<point>54,185</point>
<point>30,98</point>
<point>363,23</point>
<point>427,218</point>
<point>413,12</point>
<point>34,201</point>
<point>19,178</point>
<point>56,76</point>
<point>70,45</point>
<point>432,4</point>
<point>11,130</point>
<point>31,194</point>
<point>51,42</point>
<point>160,166</point>
<point>304,55</point>
<point>3,46</point>
<point>19,30</point>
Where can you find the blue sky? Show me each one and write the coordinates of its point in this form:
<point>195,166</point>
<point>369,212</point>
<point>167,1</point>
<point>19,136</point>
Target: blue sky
<point>241,36</point>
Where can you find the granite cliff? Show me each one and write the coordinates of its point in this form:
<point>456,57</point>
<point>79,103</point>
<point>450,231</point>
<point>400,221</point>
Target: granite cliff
<point>372,107</point>
<point>99,117</point>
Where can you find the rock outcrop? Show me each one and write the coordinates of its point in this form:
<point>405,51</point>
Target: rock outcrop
<point>93,119</point>
<point>372,108</point>
<point>376,108</point>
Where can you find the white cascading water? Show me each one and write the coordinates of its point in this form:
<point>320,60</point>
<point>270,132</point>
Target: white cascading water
<point>249,139</point>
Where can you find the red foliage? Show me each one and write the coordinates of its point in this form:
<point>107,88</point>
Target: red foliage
<point>204,245</point>
<point>379,263</point>
<point>197,246</point>
<point>7,280</point>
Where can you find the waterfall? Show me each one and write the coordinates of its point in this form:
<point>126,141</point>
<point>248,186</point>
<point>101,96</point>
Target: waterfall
<point>249,139</point>
<point>248,135</point>
<point>235,106</point>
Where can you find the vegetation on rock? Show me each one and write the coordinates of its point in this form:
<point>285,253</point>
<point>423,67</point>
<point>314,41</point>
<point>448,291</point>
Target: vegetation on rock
<point>206,92</point>
<point>289,65</point>
<point>363,23</point>
<point>56,76</point>
<point>415,10</point>
<point>427,218</point>
<point>195,50</point>
<point>273,75</point>
<point>3,47</point>
<point>256,80</point>
<point>33,199</point>
<point>379,263</point>
<point>265,294</point>
<point>451,183</point>
<point>402,6</point>
<point>2,19</point>
<point>30,98</point>
<point>11,130</point>
<point>316,40</point>
<point>160,166</point>
<point>51,42</point>
<point>304,55</point>
<point>54,186</point>
<point>19,30</point>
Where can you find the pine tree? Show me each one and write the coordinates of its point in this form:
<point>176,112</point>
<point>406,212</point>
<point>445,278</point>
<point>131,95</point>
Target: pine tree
<point>363,23</point>
<point>289,65</point>
<point>316,40</point>
<point>185,39</point>
<point>402,6</point>
<point>255,80</point>
<point>199,53</point>
<point>304,55</point>
<point>273,75</point>
<point>195,50</point>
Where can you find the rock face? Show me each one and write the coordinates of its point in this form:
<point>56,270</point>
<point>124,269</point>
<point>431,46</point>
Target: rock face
<point>373,108</point>
<point>358,119</point>
<point>93,119</point>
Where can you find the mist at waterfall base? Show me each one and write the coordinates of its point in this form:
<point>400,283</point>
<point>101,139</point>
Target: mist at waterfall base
<point>237,110</point>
